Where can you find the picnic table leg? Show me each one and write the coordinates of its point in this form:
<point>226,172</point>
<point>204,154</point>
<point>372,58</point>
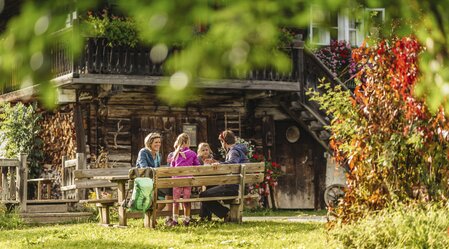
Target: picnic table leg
<point>121,198</point>
<point>236,212</point>
<point>153,213</point>
<point>147,219</point>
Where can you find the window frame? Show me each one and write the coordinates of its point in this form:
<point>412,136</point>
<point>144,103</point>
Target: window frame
<point>344,28</point>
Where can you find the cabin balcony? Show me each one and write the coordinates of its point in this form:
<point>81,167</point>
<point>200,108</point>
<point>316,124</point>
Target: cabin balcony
<point>100,63</point>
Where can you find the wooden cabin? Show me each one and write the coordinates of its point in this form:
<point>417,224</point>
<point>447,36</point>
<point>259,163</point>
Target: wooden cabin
<point>111,92</point>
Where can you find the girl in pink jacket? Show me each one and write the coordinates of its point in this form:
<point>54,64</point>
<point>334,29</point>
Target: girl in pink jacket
<point>182,156</point>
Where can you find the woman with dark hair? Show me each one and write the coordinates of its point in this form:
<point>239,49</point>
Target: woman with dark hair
<point>235,153</point>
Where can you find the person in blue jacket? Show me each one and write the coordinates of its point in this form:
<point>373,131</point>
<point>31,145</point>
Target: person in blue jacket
<point>236,153</point>
<point>149,155</point>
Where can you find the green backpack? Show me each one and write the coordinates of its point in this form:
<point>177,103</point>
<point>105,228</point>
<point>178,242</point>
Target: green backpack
<point>142,196</point>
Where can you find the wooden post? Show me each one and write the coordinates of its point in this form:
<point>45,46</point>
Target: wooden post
<point>80,164</point>
<point>12,183</point>
<point>298,58</point>
<point>49,185</point>
<point>64,175</point>
<point>236,211</point>
<point>22,180</point>
<point>39,190</point>
<point>4,179</point>
<point>155,205</point>
<point>79,130</point>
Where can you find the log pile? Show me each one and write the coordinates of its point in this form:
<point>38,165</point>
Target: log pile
<point>59,139</point>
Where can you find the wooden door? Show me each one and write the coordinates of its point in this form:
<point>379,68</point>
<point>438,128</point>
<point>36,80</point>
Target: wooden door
<point>295,188</point>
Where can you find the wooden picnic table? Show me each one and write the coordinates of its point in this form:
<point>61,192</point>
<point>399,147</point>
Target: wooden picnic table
<point>121,194</point>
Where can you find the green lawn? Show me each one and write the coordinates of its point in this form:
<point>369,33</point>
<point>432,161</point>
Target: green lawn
<point>205,235</point>
<point>284,212</point>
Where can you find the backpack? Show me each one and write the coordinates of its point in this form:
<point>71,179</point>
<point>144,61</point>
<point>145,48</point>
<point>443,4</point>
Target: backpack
<point>142,195</point>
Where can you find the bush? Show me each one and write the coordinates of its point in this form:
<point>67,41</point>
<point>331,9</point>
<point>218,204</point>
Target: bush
<point>19,132</point>
<point>119,31</point>
<point>399,227</point>
<point>9,220</point>
<point>394,147</point>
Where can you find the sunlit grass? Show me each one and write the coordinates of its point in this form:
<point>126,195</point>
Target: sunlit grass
<point>284,212</point>
<point>203,235</point>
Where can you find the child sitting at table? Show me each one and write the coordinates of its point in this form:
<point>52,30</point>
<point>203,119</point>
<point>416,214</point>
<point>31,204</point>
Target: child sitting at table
<point>205,155</point>
<point>182,156</point>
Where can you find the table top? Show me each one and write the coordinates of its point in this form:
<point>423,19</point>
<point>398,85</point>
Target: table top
<point>112,178</point>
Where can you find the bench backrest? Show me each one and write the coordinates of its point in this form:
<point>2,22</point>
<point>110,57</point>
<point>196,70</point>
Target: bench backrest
<point>163,177</point>
<point>209,175</point>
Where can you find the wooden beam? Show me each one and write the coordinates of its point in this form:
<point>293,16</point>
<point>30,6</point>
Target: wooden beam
<point>219,169</point>
<point>27,93</point>
<point>79,130</point>
<point>208,180</point>
<point>139,80</point>
<point>6,162</point>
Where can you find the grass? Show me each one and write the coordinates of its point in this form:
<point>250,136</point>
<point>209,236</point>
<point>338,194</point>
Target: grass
<point>284,212</point>
<point>204,235</point>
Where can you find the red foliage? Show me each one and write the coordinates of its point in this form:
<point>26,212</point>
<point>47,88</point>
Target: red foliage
<point>399,143</point>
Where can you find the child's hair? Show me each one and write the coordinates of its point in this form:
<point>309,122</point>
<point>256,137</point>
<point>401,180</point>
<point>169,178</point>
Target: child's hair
<point>227,136</point>
<point>150,138</point>
<point>183,140</point>
<point>202,146</point>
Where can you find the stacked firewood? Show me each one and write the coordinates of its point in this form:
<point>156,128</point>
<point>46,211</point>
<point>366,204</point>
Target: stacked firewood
<point>58,136</point>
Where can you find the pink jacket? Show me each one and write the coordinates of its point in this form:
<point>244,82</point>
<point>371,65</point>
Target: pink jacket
<point>190,159</point>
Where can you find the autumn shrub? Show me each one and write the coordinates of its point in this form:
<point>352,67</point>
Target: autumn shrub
<point>395,149</point>
<point>413,226</point>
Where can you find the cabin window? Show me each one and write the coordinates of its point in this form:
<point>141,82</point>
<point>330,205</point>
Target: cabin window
<point>326,26</point>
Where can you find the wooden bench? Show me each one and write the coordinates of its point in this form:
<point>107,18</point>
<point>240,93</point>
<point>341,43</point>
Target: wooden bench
<point>89,179</point>
<point>241,174</point>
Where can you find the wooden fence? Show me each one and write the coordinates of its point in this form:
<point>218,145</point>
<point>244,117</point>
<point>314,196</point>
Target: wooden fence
<point>14,176</point>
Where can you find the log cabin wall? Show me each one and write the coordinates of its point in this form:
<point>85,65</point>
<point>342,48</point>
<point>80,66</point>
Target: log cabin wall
<point>119,122</point>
